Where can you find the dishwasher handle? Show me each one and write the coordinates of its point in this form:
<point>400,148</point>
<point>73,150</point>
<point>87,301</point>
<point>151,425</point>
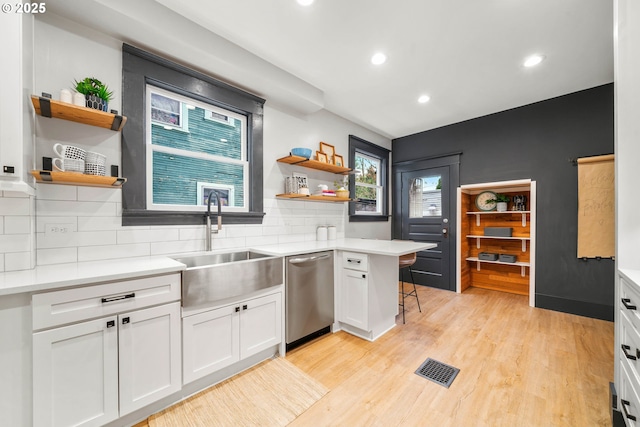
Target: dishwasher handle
<point>307,259</point>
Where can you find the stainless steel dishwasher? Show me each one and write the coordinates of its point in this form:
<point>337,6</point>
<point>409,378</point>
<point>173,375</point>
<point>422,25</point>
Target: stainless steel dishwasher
<point>308,296</point>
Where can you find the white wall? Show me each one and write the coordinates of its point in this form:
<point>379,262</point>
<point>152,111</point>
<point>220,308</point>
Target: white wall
<point>92,216</point>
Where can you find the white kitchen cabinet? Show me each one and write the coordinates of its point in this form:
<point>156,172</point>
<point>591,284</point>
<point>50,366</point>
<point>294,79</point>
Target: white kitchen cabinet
<point>367,292</point>
<point>16,115</point>
<point>75,374</point>
<point>149,355</point>
<point>355,298</point>
<point>218,338</point>
<point>86,371</point>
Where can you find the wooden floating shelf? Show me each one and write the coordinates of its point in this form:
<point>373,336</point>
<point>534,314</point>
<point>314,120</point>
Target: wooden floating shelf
<point>71,178</point>
<point>498,237</point>
<point>47,107</point>
<point>303,197</point>
<point>521,264</point>
<point>496,212</point>
<point>314,164</point>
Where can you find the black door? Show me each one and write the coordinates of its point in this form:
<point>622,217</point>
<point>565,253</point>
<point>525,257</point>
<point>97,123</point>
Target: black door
<point>427,214</point>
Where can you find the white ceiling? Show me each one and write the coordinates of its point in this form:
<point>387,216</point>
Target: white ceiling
<point>465,54</point>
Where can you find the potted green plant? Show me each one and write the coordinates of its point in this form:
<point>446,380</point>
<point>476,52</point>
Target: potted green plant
<point>96,93</point>
<point>501,202</point>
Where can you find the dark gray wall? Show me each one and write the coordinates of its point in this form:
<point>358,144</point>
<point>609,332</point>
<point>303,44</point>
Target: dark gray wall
<point>537,141</point>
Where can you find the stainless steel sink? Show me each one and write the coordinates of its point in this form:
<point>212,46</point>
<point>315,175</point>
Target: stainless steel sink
<point>212,278</point>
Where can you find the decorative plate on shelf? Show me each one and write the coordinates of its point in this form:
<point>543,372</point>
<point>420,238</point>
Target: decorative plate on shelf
<point>481,201</point>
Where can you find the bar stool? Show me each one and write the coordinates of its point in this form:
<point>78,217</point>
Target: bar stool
<point>406,261</point>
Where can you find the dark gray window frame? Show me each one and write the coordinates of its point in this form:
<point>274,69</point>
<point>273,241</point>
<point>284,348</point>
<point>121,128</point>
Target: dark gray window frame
<point>357,144</point>
<point>140,68</point>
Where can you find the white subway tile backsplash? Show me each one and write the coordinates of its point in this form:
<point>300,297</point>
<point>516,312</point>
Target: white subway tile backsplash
<point>14,206</point>
<point>2,260</point>
<point>10,243</point>
<point>98,223</point>
<point>145,236</point>
<point>192,233</point>
<point>79,238</point>
<point>98,194</point>
<point>261,240</point>
<point>17,224</point>
<point>177,247</point>
<point>95,253</point>
<point>15,194</point>
<point>57,255</point>
<point>69,208</point>
<point>56,192</point>
<point>293,238</point>
<point>15,261</point>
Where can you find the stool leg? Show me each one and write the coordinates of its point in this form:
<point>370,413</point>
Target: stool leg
<point>402,279</point>
<point>414,289</point>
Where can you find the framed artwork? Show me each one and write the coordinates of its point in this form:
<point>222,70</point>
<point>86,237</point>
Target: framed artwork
<point>300,180</point>
<point>225,192</point>
<point>322,157</point>
<point>338,160</point>
<point>327,149</point>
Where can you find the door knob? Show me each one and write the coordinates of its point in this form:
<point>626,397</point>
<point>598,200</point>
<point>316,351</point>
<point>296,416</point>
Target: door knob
<point>444,231</point>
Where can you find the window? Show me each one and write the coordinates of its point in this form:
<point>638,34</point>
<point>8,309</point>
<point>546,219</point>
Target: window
<point>187,134</point>
<point>207,155</point>
<point>369,182</point>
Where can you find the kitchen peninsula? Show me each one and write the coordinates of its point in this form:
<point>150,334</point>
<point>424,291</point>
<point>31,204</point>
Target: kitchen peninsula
<point>365,278</point>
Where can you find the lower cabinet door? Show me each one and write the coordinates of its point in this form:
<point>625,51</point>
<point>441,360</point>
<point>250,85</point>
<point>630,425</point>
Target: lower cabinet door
<point>150,356</point>
<point>260,324</point>
<point>354,299</point>
<point>210,341</point>
<point>75,374</point>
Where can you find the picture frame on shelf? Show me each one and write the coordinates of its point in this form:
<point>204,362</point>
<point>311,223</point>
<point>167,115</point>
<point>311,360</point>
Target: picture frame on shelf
<point>300,180</point>
<point>329,150</point>
<point>338,160</point>
<point>322,157</point>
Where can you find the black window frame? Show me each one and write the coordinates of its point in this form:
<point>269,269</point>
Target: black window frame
<point>140,68</point>
<point>359,145</point>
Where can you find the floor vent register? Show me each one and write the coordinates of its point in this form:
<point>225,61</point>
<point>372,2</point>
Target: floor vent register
<point>438,372</point>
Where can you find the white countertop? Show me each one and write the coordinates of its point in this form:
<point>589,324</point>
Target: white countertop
<point>370,246</point>
<point>82,273</point>
<point>633,275</point>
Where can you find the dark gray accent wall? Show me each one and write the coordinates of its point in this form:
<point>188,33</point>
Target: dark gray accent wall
<point>538,141</point>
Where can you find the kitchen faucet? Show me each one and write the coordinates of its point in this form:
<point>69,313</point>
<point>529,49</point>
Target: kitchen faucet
<point>207,240</point>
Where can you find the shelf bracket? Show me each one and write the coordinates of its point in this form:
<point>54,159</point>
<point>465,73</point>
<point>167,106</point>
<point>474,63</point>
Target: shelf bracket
<point>478,242</point>
<point>524,245</point>
<point>478,265</point>
<point>45,107</point>
<point>477,220</point>
<point>46,176</point>
<point>522,267</point>
<point>524,219</point>
<point>118,182</point>
<point>117,122</point>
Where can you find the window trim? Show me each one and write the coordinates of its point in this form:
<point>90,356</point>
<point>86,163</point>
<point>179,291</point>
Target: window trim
<point>367,148</point>
<point>140,68</point>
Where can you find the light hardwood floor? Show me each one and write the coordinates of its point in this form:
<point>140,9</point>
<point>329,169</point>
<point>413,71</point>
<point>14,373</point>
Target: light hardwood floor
<point>519,366</point>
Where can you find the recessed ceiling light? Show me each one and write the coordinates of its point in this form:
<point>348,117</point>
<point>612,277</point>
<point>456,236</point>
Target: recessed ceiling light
<point>533,60</point>
<point>424,99</point>
<point>305,2</point>
<point>379,58</point>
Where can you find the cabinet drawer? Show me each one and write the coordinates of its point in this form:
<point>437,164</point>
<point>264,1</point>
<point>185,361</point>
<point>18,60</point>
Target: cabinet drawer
<point>629,400</point>
<point>629,302</point>
<point>355,261</point>
<point>73,305</point>
<point>630,345</point>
